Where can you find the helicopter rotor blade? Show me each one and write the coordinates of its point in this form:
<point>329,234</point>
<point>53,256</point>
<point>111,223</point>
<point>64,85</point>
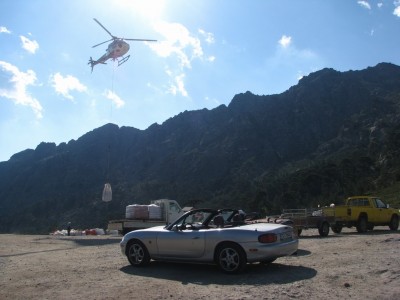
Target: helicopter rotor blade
<point>104,28</point>
<point>102,43</point>
<point>140,40</point>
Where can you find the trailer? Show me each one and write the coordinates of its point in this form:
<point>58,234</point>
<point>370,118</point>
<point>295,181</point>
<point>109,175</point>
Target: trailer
<point>159,213</point>
<point>305,218</point>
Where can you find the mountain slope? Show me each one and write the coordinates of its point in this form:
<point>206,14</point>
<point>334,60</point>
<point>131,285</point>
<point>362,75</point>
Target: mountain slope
<point>332,135</point>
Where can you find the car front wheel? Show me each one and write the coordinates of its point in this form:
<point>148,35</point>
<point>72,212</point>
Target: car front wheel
<point>230,258</point>
<point>137,254</point>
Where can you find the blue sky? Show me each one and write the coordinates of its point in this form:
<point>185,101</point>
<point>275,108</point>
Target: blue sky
<point>207,51</point>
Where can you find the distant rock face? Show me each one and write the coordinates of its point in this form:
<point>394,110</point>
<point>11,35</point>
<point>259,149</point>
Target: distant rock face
<point>247,154</point>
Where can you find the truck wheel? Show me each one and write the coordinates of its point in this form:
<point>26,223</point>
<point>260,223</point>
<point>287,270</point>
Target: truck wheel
<point>394,223</point>
<point>362,224</point>
<point>137,254</point>
<point>299,231</point>
<point>370,226</point>
<point>324,229</point>
<point>337,228</point>
<point>230,258</point>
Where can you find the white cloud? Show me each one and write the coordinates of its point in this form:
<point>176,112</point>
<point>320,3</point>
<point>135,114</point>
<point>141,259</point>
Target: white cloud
<point>380,4</point>
<point>178,86</point>
<point>178,41</point>
<point>211,58</point>
<point>4,30</point>
<point>212,101</point>
<point>114,98</point>
<point>285,41</point>
<point>396,11</point>
<point>63,85</point>
<point>18,93</point>
<point>181,45</point>
<point>28,45</point>
<point>364,4</point>
<point>208,36</point>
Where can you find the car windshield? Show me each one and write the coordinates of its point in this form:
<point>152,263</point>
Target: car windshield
<point>196,217</point>
<point>204,218</point>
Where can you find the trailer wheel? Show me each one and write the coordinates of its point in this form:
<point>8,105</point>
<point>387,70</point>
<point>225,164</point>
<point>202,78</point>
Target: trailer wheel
<point>394,223</point>
<point>337,228</point>
<point>324,229</point>
<point>362,224</point>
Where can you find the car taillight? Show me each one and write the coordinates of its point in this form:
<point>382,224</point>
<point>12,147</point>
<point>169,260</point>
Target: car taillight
<point>267,238</point>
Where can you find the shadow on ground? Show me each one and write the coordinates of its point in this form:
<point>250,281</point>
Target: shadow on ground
<point>254,274</point>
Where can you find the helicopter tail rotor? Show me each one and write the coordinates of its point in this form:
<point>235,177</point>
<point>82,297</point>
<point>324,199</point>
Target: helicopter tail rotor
<point>91,63</point>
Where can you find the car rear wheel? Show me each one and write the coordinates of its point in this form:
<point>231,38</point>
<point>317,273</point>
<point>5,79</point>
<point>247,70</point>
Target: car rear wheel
<point>394,223</point>
<point>230,258</point>
<point>137,254</point>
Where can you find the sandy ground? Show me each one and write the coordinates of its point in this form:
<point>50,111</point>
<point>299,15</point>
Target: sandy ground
<point>340,266</point>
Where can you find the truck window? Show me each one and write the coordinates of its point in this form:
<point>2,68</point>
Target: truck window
<point>365,202</point>
<point>173,207</point>
<point>359,202</point>
<point>379,203</point>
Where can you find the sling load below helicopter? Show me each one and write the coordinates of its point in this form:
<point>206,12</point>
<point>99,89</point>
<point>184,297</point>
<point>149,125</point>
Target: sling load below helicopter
<point>117,48</point>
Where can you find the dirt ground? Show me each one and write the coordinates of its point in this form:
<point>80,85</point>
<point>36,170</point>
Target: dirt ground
<point>340,266</point>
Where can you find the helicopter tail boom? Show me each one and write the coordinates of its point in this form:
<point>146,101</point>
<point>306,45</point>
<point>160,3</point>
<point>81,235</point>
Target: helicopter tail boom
<point>92,62</point>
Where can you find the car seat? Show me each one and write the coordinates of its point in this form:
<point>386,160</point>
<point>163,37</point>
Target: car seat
<point>219,221</point>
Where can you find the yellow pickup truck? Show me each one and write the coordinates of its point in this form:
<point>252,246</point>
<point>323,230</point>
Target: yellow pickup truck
<point>363,212</point>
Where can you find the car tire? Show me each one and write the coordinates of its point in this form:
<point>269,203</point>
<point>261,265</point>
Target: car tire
<point>394,223</point>
<point>137,254</point>
<point>230,258</point>
<point>362,224</point>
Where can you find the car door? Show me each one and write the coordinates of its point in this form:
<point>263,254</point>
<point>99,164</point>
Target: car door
<point>383,214</point>
<point>183,244</point>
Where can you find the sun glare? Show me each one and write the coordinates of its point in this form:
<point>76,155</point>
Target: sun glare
<point>151,9</point>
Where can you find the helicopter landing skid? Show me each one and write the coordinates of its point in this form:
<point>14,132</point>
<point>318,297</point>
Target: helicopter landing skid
<point>122,60</point>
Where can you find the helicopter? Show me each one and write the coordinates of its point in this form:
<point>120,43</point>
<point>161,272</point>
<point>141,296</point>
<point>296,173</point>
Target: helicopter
<point>117,48</point>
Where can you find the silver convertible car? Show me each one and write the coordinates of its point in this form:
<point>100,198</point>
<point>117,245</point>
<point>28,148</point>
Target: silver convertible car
<point>220,236</point>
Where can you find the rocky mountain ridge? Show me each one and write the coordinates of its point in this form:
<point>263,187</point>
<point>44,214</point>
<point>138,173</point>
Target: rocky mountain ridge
<point>332,135</point>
